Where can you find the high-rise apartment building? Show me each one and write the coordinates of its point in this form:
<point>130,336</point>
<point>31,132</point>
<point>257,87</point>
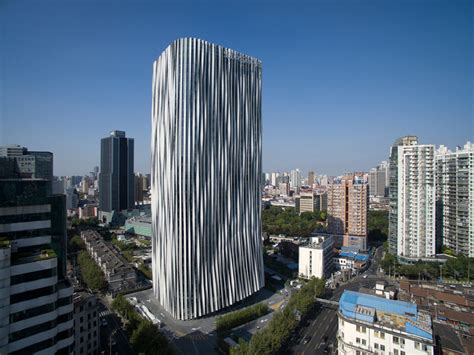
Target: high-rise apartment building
<point>416,202</point>
<point>379,180</point>
<point>206,178</point>
<point>35,297</point>
<point>393,191</point>
<point>455,198</point>
<point>295,179</point>
<point>116,178</point>
<point>274,179</point>
<point>347,209</point>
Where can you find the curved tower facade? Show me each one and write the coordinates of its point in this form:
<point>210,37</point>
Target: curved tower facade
<point>205,178</point>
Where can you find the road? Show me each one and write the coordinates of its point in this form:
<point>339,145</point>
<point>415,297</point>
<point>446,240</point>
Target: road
<point>320,331</point>
<point>112,333</point>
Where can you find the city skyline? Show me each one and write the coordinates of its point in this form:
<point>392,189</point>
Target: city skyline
<point>413,79</point>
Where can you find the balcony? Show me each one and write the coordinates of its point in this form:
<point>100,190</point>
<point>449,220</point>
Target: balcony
<point>30,257</point>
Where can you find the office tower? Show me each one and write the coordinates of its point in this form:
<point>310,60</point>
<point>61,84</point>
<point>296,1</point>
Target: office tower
<point>347,209</point>
<point>310,178</point>
<point>295,179</point>
<point>306,202</point>
<point>374,325</point>
<point>393,191</point>
<point>206,178</point>
<point>378,180</point>
<point>416,202</point>
<point>455,198</point>
<point>57,186</point>
<point>35,297</point>
<point>31,164</point>
<point>72,198</point>
<point>116,178</point>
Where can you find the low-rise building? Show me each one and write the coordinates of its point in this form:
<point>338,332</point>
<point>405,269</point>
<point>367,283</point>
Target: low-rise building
<point>450,304</point>
<point>88,211</point>
<point>316,257</point>
<point>139,225</point>
<point>86,323</point>
<point>350,258</point>
<point>374,325</point>
<point>118,272</point>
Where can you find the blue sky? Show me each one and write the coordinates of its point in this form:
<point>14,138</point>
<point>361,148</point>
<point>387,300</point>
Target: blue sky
<point>341,79</point>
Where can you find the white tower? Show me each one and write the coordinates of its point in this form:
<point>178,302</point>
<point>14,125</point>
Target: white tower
<point>206,178</point>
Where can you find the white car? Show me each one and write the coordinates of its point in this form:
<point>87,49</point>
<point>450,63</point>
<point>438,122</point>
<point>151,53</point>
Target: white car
<point>365,276</point>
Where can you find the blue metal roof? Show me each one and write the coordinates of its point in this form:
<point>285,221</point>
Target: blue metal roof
<point>354,255</point>
<point>350,300</point>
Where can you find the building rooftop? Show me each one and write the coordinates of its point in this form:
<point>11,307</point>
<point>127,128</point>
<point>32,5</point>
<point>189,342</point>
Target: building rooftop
<point>318,242</point>
<point>398,315</point>
<point>353,255</point>
<point>110,257</point>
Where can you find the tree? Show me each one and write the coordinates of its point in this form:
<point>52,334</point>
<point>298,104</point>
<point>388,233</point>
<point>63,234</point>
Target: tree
<point>91,274</point>
<point>146,339</point>
<point>76,244</point>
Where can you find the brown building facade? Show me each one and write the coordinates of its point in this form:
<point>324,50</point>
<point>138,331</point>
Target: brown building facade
<point>347,209</point>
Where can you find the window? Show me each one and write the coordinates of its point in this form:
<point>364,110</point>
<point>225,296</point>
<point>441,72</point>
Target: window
<point>402,352</point>
<point>382,335</point>
<point>363,329</point>
<point>396,340</point>
<point>425,347</point>
<point>395,351</point>
<point>364,342</point>
<point>358,328</point>
<point>357,352</point>
<point>376,346</point>
<point>382,347</point>
<point>417,345</point>
<point>358,340</point>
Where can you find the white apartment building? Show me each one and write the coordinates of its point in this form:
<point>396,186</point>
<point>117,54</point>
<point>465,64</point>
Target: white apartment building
<point>455,198</point>
<point>295,179</point>
<point>379,180</point>
<point>369,324</point>
<point>416,202</point>
<point>316,257</point>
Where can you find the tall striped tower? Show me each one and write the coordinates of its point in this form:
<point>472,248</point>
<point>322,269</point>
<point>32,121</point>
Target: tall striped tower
<point>206,178</point>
